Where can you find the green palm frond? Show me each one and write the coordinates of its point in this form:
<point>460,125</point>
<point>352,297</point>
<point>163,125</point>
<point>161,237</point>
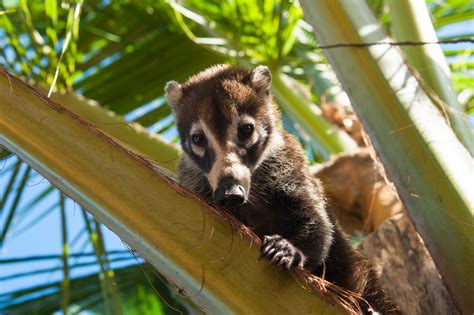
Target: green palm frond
<point>14,206</point>
<point>271,43</point>
<point>140,293</point>
<point>450,11</point>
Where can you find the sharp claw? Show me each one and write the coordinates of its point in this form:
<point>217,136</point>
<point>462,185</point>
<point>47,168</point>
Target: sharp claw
<point>278,256</point>
<point>282,262</point>
<point>267,248</point>
<point>267,252</point>
<point>270,253</point>
<point>275,258</point>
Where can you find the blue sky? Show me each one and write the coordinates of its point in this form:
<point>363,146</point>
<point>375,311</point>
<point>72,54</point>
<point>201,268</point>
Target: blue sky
<point>43,236</point>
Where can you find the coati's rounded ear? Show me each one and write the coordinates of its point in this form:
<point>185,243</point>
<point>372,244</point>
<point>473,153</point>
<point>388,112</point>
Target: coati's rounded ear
<point>261,79</point>
<point>173,93</point>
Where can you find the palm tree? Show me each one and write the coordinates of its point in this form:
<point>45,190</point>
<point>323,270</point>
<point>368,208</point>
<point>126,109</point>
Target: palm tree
<point>120,54</point>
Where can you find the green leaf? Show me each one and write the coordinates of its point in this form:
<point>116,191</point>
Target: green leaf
<point>9,186</point>
<point>14,206</point>
<point>4,154</point>
<point>51,9</point>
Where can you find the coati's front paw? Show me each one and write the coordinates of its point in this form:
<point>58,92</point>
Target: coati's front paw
<point>281,252</point>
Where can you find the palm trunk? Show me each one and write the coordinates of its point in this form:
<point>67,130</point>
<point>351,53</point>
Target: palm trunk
<point>431,169</point>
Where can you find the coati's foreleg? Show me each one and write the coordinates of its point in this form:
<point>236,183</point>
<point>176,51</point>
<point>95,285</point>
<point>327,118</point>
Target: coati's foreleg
<point>306,232</point>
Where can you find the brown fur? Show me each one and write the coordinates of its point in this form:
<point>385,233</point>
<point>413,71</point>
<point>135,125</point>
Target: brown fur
<point>284,204</point>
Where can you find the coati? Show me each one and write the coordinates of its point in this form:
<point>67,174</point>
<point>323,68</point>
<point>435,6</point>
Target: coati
<point>238,156</point>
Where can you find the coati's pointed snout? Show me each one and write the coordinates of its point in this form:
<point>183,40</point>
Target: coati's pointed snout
<point>229,193</point>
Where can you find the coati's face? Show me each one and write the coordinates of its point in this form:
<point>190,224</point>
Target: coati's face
<point>227,124</point>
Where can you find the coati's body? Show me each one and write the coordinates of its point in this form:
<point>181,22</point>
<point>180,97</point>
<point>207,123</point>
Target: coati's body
<point>238,155</point>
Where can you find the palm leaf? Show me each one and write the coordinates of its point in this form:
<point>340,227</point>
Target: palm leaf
<point>138,296</point>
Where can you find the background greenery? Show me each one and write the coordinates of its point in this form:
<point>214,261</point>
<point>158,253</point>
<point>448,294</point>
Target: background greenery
<point>120,54</point>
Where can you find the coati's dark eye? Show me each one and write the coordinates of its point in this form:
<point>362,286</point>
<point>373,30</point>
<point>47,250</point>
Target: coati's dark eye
<point>245,131</point>
<point>198,139</point>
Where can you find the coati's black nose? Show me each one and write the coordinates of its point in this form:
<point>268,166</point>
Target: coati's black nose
<point>229,193</point>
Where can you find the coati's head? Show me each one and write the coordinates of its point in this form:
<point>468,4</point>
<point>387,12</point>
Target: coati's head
<point>228,124</point>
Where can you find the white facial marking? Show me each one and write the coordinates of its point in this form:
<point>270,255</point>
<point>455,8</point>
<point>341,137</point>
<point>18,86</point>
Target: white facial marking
<point>227,157</point>
<point>212,142</point>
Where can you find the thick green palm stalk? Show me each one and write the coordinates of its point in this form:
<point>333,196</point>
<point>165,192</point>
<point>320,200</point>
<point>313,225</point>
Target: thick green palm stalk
<point>431,169</point>
<point>194,246</point>
<point>151,146</point>
<point>411,22</point>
